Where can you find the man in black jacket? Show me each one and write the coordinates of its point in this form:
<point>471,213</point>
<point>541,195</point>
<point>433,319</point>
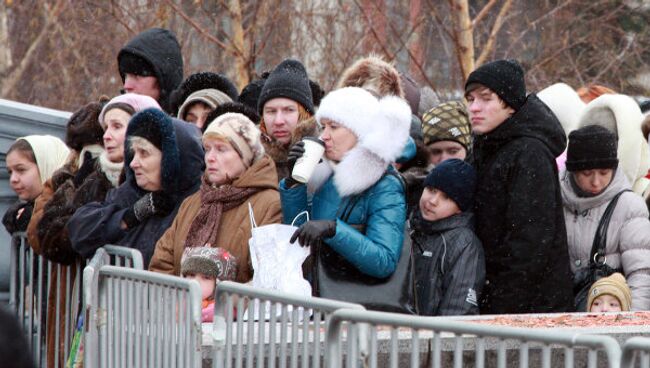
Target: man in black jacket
<point>151,64</point>
<point>518,205</point>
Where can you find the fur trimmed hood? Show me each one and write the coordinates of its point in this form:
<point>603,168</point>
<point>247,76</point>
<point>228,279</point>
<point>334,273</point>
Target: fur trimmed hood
<point>279,151</point>
<point>373,74</point>
<point>565,104</point>
<point>181,148</point>
<point>382,129</point>
<point>621,114</point>
<point>201,81</point>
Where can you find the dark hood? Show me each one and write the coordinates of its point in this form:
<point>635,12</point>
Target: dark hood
<point>182,162</point>
<point>533,120</point>
<point>161,49</point>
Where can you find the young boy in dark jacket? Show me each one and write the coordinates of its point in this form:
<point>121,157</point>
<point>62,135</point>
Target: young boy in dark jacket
<point>449,261</point>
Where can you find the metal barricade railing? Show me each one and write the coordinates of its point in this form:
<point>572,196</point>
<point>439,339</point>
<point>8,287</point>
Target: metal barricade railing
<point>140,319</point>
<point>36,286</point>
<point>636,350</point>
<point>292,333</point>
<point>124,257</point>
<point>373,339</point>
<point>42,291</point>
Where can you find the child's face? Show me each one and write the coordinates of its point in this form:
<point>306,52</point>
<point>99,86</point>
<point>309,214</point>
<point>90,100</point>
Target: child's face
<point>24,177</point>
<point>207,284</point>
<point>605,303</point>
<point>435,205</point>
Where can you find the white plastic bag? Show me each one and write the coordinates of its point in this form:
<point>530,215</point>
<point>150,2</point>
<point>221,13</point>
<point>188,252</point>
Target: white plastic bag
<point>277,264</point>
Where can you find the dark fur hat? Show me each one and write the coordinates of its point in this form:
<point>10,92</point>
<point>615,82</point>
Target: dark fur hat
<point>374,74</point>
<point>156,126</point>
<point>83,128</point>
<point>251,93</point>
<point>199,81</point>
<point>235,107</point>
<point>317,92</point>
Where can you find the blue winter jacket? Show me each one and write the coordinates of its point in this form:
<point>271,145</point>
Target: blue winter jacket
<point>381,208</point>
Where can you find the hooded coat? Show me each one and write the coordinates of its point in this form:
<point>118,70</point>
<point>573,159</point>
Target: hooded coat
<point>99,223</point>
<point>628,234</point>
<point>449,265</point>
<point>622,115</point>
<point>519,216</point>
<point>235,227</point>
<point>160,48</point>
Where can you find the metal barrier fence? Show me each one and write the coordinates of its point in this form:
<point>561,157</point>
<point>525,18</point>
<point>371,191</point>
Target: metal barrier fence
<point>140,319</point>
<point>636,347</point>
<point>293,331</point>
<point>42,291</point>
<point>366,335</point>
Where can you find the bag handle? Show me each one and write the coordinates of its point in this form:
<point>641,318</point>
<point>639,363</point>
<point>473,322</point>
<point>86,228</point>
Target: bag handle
<point>600,239</point>
<point>251,216</point>
<point>306,213</point>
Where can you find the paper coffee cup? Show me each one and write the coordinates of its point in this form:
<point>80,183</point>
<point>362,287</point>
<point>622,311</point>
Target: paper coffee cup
<point>305,165</point>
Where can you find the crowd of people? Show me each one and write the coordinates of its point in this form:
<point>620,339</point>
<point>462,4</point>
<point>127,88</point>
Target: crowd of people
<point>511,202</point>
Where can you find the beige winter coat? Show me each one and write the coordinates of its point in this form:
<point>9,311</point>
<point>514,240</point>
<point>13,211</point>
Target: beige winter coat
<point>235,226</point>
<point>628,234</point>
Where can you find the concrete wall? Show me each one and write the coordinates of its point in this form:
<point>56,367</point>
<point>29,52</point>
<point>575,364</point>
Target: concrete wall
<point>18,120</point>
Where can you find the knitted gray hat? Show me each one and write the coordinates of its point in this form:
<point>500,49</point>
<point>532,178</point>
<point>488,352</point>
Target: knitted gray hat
<point>213,262</point>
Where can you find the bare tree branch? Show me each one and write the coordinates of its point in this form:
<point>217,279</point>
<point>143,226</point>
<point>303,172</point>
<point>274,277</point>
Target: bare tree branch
<point>16,75</point>
<point>198,27</point>
<point>486,9</point>
<point>498,22</point>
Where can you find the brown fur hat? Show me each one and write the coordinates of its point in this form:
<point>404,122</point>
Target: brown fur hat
<point>373,74</point>
<point>83,127</point>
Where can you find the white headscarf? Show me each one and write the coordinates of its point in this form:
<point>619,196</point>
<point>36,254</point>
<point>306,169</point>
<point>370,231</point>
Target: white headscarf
<point>50,153</point>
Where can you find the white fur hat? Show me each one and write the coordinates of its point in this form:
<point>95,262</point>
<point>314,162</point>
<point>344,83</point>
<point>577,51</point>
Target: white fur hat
<point>565,104</point>
<point>382,129</point>
<point>376,123</point>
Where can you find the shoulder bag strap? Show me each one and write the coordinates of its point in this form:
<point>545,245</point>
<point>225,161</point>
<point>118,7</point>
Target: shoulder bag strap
<point>600,239</point>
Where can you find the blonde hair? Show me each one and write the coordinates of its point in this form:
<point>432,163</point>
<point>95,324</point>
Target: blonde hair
<point>303,115</point>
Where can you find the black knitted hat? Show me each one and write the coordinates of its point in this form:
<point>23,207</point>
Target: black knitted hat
<point>503,77</point>
<point>457,179</point>
<point>289,80</point>
<point>591,147</point>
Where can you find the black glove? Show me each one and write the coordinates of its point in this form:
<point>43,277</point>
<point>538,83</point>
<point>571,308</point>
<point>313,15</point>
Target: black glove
<point>311,233</point>
<point>86,169</point>
<point>296,152</point>
<point>151,204</point>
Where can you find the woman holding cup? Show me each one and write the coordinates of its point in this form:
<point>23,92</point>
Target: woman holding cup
<point>358,208</point>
